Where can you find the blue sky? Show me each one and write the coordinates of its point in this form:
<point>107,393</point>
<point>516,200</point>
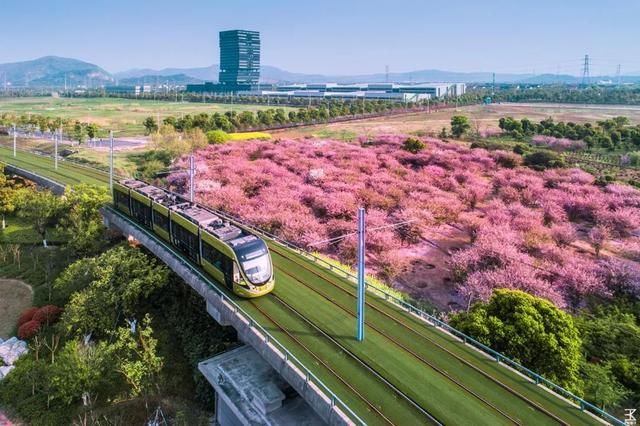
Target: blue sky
<point>330,36</point>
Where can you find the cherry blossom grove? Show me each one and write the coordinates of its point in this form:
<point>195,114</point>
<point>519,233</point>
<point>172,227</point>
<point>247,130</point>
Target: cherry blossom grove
<point>523,225</point>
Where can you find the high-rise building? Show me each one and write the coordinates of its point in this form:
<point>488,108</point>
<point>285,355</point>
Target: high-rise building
<point>239,58</point>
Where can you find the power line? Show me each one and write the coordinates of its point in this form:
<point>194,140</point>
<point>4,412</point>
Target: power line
<point>377,228</point>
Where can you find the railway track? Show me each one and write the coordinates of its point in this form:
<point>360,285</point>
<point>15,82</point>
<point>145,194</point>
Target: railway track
<point>428,416</point>
<point>419,335</point>
<point>322,362</point>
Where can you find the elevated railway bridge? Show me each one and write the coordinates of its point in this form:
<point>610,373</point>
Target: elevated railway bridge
<point>411,368</point>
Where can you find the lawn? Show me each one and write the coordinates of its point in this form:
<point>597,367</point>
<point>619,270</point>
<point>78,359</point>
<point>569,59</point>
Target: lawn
<point>124,116</point>
<point>19,231</point>
<point>16,296</point>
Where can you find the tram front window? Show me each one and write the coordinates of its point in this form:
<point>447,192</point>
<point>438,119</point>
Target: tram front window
<point>254,259</point>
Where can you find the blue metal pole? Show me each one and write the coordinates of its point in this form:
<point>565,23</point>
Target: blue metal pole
<point>361,284</point>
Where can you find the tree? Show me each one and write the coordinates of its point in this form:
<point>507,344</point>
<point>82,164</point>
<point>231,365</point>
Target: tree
<point>196,139</point>
<point>79,369</point>
<point>601,386</point>
<point>121,278</point>
<point>79,132</point>
<point>151,126</point>
<point>170,141</point>
<point>92,131</point>
<point>82,219</point>
<point>598,236</point>
<point>41,208</point>
<point>136,357</point>
<point>459,125</point>
<point>529,330</point>
<point>7,198</point>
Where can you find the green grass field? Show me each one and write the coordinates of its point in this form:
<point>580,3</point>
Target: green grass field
<point>18,231</point>
<point>417,368</point>
<point>125,116</point>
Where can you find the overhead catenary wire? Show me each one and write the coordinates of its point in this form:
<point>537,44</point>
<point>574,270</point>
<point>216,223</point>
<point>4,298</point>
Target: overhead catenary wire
<point>377,228</point>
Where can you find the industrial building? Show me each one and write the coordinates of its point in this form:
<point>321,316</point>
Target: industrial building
<point>128,90</point>
<point>394,91</point>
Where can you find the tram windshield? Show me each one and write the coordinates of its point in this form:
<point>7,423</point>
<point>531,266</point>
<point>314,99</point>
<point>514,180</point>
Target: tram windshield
<point>255,262</point>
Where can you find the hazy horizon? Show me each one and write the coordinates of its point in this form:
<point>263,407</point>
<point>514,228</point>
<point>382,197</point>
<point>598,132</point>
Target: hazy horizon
<point>334,38</point>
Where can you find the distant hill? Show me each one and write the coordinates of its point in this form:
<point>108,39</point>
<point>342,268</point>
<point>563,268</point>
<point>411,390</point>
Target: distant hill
<point>203,74</point>
<point>153,79</point>
<point>50,71</point>
<point>271,74</point>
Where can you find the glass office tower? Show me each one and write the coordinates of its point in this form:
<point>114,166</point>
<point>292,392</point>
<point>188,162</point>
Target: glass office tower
<point>239,58</point>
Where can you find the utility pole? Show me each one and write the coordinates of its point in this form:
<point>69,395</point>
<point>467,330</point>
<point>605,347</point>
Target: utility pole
<point>361,282</point>
<point>111,160</point>
<point>14,141</point>
<point>618,76</point>
<point>55,150</point>
<point>192,180</point>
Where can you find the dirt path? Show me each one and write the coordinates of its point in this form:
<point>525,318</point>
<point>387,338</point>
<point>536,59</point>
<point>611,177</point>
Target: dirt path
<point>15,297</point>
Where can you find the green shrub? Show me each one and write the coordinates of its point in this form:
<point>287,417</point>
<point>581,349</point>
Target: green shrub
<point>542,160</point>
<point>217,137</point>
<point>488,145</point>
<point>413,145</point>
<point>634,158</point>
<point>521,149</point>
<point>507,160</point>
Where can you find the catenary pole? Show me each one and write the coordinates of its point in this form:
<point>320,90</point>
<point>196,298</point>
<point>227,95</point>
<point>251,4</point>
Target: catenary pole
<point>55,149</point>
<point>192,174</point>
<point>361,282</point>
<point>111,160</point>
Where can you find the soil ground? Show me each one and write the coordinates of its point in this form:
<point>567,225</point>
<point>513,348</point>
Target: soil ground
<point>16,296</point>
<point>482,117</point>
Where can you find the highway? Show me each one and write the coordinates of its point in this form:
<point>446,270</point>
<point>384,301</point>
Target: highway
<point>406,371</point>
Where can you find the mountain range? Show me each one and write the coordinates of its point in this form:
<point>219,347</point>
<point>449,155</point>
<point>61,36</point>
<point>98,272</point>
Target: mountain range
<point>53,71</point>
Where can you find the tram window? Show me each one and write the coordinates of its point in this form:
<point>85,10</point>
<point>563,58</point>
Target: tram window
<point>213,255</point>
<point>122,199</point>
<point>141,212</point>
<point>160,220</point>
<point>185,240</point>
